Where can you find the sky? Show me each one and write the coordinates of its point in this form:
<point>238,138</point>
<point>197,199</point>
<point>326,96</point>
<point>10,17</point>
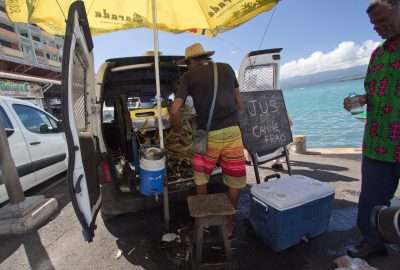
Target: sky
<point>315,36</point>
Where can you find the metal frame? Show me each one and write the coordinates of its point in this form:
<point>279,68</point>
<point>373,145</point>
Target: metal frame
<point>256,163</point>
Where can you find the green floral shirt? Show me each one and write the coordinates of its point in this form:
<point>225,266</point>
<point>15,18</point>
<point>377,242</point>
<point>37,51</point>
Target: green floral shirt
<point>382,87</point>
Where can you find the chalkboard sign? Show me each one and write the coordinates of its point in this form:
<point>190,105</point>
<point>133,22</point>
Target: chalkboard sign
<point>264,121</point>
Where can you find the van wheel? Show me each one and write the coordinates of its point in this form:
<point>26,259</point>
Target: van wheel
<point>107,217</point>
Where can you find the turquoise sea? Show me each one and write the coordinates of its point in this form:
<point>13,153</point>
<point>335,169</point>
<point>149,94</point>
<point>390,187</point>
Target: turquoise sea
<point>317,112</point>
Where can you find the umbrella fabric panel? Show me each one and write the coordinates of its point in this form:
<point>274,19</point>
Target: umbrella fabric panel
<point>204,17</point>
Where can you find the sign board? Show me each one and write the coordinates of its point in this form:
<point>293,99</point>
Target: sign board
<point>20,89</point>
<point>264,121</point>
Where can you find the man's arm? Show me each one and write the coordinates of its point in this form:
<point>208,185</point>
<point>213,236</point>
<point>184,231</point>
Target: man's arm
<point>362,99</point>
<point>238,103</point>
<point>175,114</point>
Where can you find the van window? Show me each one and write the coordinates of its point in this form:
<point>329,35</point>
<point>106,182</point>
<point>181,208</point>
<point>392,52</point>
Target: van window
<point>259,78</point>
<point>35,120</point>
<point>5,119</point>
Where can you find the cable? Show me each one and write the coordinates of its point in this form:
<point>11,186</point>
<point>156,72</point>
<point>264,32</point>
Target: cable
<point>65,18</point>
<point>90,8</point>
<point>231,44</point>
<point>265,32</point>
<point>266,29</point>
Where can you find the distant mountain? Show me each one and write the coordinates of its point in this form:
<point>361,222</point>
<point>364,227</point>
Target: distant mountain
<point>352,73</point>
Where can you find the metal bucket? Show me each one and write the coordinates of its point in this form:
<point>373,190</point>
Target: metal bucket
<point>152,152</point>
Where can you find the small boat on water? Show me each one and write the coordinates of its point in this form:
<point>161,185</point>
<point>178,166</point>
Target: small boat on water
<point>361,116</point>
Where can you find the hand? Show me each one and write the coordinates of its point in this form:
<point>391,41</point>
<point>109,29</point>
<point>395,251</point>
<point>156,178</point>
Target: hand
<point>362,100</point>
<point>347,104</point>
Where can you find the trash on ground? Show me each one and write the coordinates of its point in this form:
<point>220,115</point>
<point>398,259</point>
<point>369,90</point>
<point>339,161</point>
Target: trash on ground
<point>170,237</point>
<point>119,254</point>
<point>348,263</point>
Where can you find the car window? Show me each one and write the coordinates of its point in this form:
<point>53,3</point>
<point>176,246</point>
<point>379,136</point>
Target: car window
<point>53,122</point>
<point>5,119</point>
<point>35,120</point>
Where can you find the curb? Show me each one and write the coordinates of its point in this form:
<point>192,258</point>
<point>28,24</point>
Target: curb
<point>29,221</point>
<point>344,153</point>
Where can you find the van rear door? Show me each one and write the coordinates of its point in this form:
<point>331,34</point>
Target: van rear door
<point>259,71</point>
<point>80,112</point>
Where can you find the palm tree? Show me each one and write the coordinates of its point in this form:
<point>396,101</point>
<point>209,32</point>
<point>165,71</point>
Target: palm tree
<point>236,14</point>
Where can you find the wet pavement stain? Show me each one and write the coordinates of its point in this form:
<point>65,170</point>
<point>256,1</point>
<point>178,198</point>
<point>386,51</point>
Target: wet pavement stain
<point>352,192</point>
<point>343,219</point>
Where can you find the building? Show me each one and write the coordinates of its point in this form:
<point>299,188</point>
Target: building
<point>30,63</point>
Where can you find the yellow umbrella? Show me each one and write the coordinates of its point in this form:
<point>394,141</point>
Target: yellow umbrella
<point>204,17</point>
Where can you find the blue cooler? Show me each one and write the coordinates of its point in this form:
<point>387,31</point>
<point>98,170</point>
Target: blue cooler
<point>284,211</point>
<point>151,176</point>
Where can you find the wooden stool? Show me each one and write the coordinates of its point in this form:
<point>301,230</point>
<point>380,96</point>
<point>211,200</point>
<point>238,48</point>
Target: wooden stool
<point>209,210</point>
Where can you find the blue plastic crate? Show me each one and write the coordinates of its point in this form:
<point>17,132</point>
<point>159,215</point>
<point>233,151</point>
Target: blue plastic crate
<point>286,210</point>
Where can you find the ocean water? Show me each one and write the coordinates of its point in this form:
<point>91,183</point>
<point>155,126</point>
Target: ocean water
<point>318,113</point>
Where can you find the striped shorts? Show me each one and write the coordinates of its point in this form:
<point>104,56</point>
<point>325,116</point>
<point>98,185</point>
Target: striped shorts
<point>225,145</point>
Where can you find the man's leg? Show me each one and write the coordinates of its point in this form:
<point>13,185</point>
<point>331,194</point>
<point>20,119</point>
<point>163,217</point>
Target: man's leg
<point>201,189</point>
<point>233,167</point>
<point>378,185</point>
<point>233,195</point>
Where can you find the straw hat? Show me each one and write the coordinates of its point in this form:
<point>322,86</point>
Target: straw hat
<point>193,51</point>
<point>151,53</point>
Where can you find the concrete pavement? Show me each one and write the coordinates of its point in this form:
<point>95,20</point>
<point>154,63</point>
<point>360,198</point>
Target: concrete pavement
<point>58,244</point>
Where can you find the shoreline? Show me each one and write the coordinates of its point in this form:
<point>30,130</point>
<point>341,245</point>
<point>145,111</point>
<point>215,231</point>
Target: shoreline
<point>349,150</point>
<point>343,153</point>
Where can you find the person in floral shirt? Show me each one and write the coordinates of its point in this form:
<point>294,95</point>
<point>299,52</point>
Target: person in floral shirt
<point>380,169</point>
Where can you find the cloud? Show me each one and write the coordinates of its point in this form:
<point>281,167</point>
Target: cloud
<point>347,54</point>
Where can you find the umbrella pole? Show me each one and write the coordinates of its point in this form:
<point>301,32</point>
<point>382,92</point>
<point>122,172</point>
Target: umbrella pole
<point>157,71</point>
<point>160,125</point>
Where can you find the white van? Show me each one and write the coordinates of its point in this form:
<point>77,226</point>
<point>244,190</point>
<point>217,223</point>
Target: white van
<point>36,140</point>
<point>103,153</point>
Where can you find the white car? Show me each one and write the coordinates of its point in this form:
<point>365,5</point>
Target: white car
<point>36,140</point>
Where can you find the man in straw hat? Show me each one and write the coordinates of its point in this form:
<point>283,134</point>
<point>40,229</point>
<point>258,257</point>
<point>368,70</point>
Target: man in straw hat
<point>224,138</point>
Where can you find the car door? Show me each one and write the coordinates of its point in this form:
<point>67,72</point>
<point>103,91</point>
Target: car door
<point>259,71</point>
<point>81,117</point>
<point>19,152</point>
<point>44,139</point>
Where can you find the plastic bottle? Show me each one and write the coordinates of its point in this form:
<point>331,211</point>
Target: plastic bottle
<point>356,107</point>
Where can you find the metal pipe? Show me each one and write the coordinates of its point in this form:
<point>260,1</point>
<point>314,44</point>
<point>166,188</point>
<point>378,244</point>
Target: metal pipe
<point>8,170</point>
<point>157,71</point>
<point>20,77</point>
<point>160,124</point>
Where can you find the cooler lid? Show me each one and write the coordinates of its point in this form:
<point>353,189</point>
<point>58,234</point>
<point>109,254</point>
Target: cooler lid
<point>291,191</point>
